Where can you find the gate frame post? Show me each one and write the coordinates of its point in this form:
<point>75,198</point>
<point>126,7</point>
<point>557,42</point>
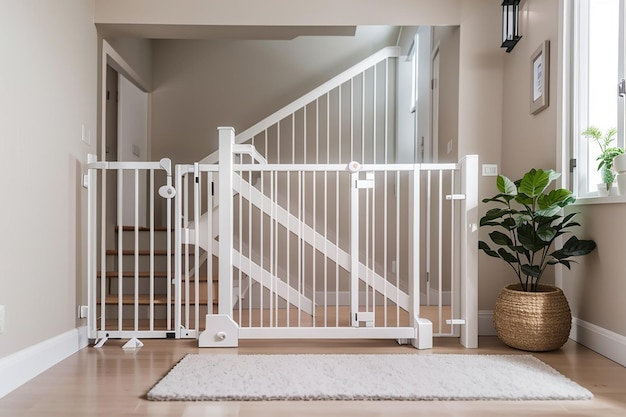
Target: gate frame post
<point>221,329</point>
<point>469,251</point>
<point>423,327</point>
<point>225,263</point>
<point>92,236</point>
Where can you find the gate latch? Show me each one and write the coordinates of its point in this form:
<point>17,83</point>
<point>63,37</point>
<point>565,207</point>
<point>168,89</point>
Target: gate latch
<point>367,317</point>
<point>368,182</point>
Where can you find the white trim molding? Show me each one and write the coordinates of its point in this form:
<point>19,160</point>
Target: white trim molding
<point>485,323</point>
<point>603,341</point>
<point>20,367</point>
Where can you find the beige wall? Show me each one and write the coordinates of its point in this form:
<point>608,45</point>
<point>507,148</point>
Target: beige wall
<point>281,12</point>
<point>200,85</point>
<point>47,92</point>
<point>595,287</point>
<point>138,54</point>
<point>528,141</point>
<point>447,39</point>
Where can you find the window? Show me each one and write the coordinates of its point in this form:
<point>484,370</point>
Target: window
<point>597,66</point>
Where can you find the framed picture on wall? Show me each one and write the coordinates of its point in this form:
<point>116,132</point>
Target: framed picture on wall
<point>540,78</point>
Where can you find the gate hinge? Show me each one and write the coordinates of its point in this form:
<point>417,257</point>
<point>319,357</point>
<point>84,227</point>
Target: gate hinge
<point>455,321</point>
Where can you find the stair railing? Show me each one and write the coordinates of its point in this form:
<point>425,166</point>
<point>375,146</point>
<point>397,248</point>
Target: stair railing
<point>356,78</point>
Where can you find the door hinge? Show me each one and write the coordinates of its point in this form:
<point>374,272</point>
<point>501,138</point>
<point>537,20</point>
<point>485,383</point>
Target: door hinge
<point>572,164</point>
<point>621,88</point>
<point>212,189</point>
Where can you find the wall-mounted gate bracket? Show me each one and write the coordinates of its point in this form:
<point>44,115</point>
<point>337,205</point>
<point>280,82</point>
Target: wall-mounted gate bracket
<point>221,331</point>
<point>455,197</point>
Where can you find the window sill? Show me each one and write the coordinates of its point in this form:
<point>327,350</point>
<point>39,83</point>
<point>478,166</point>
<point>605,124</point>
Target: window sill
<point>610,199</point>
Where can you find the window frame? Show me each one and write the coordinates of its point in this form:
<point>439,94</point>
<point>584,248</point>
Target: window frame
<point>575,97</point>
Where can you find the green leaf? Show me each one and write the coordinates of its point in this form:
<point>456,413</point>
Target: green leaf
<point>529,239</point>
<point>559,197</point>
<point>546,233</point>
<point>536,181</point>
<point>485,247</point>
<point>531,270</point>
<point>506,186</point>
<point>575,247</point>
<point>509,223</point>
<point>507,256</point>
<point>500,238</point>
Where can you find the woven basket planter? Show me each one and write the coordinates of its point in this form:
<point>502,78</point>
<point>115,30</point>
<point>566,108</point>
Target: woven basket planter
<point>533,321</point>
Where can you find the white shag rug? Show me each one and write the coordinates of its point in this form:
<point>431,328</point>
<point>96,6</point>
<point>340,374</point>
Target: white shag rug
<point>211,377</point>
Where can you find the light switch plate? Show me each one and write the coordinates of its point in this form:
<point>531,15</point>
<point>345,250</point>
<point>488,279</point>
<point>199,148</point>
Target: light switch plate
<point>490,170</point>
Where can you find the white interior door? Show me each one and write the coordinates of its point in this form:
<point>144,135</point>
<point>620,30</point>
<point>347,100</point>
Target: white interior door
<point>132,145</point>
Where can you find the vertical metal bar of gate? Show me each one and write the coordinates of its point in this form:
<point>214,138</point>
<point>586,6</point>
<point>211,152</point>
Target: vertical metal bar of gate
<point>354,249</point>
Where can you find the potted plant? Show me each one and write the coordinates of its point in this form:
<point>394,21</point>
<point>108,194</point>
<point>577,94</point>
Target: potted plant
<point>607,153</point>
<point>529,315</point>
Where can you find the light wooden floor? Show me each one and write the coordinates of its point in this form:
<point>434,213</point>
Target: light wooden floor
<point>113,382</point>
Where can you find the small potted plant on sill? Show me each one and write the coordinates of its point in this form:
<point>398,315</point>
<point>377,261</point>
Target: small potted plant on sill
<point>529,315</point>
<point>607,153</point>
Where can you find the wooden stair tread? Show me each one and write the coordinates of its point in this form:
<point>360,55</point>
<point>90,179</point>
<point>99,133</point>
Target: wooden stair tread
<point>131,252</point>
<point>146,274</point>
<point>143,229</point>
<point>144,299</point>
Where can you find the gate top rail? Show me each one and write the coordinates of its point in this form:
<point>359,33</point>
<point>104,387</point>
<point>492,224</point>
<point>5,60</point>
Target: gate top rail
<point>346,167</point>
<point>164,164</point>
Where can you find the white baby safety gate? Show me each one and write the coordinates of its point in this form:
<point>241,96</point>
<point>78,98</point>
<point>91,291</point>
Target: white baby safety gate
<point>298,251</point>
<point>301,226</point>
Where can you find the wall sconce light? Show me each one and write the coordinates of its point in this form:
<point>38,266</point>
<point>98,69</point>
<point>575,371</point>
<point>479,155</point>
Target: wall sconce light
<point>510,24</point>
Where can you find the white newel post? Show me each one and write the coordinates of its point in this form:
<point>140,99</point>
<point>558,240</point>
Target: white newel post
<point>469,251</point>
<point>221,330</point>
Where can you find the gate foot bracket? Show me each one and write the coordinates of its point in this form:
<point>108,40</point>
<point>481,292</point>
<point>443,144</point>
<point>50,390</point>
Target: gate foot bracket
<point>133,343</point>
<point>221,331</point>
<point>423,333</point>
<point>100,342</point>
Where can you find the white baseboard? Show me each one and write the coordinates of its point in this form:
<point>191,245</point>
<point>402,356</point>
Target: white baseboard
<point>605,342</point>
<point>485,323</point>
<point>20,367</point>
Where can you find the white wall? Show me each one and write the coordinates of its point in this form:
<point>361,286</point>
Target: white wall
<point>48,90</point>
